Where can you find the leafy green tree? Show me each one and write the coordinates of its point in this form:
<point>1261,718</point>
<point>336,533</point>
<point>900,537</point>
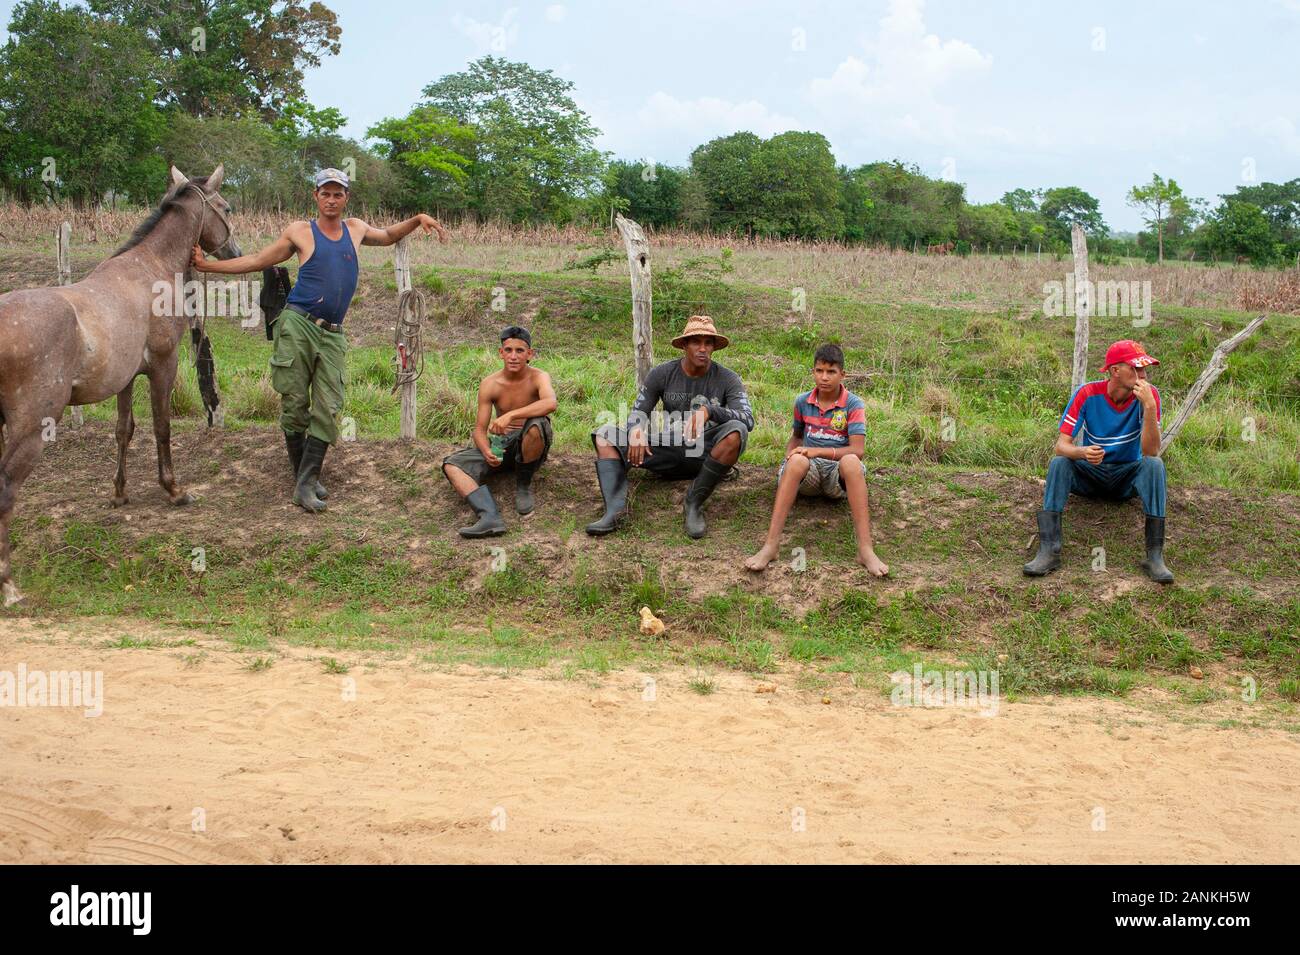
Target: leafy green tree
<point>231,56</point>
<point>1241,229</point>
<point>431,150</point>
<point>652,193</point>
<point>722,167</point>
<point>1063,206</point>
<point>794,178</point>
<point>1161,200</point>
<point>533,153</point>
<point>79,91</point>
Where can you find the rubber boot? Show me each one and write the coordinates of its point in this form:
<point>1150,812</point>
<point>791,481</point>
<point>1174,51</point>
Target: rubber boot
<point>710,474</point>
<point>489,520</point>
<point>524,487</point>
<point>293,441</point>
<point>613,488</point>
<point>313,456</point>
<point>1154,565</point>
<point>1049,545</point>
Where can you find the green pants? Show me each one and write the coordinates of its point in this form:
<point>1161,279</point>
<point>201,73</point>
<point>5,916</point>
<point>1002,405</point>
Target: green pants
<point>308,368</point>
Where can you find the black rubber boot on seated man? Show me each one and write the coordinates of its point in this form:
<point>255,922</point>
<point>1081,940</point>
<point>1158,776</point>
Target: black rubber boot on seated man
<point>313,456</point>
<point>613,488</point>
<point>524,488</point>
<point>1049,545</point>
<point>710,474</point>
<point>489,523</point>
<point>294,442</point>
<point>1154,565</point>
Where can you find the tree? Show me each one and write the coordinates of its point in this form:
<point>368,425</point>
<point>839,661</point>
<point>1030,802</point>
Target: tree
<point>797,186</point>
<point>231,56</point>
<point>1063,206</point>
<point>1161,199</point>
<point>78,96</point>
<point>533,152</point>
<point>432,151</point>
<point>1240,228</point>
<point>722,167</point>
<point>652,193</point>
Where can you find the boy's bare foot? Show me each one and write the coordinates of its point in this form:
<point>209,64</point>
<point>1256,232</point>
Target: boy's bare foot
<point>765,556</point>
<point>868,559</point>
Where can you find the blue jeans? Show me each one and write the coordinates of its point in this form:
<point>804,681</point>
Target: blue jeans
<point>1144,478</point>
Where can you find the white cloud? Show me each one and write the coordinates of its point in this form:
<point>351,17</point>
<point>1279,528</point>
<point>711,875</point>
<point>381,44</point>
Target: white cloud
<point>896,80</point>
<point>556,13</point>
<point>490,37</point>
<point>1282,131</point>
<point>708,117</point>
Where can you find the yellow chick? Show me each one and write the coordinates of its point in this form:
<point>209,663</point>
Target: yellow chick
<point>651,625</point>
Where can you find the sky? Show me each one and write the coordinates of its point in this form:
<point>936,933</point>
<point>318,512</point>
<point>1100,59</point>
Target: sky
<point>996,94</point>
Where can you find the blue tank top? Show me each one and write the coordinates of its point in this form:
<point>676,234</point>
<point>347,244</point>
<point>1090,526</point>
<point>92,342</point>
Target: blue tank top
<point>328,280</point>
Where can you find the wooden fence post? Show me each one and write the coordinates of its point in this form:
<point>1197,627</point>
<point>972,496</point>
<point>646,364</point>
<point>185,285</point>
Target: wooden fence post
<point>405,347</point>
<point>1212,371</point>
<point>638,259</point>
<point>1082,307</point>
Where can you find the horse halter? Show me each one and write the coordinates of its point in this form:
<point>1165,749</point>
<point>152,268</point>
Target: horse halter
<point>207,204</point>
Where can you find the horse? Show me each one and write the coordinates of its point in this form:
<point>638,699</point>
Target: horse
<point>82,343</point>
<point>941,249</point>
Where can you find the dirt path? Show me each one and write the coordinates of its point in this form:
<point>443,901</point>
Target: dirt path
<point>475,767</point>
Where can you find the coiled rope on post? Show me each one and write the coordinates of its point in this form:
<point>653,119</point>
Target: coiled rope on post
<point>410,325</point>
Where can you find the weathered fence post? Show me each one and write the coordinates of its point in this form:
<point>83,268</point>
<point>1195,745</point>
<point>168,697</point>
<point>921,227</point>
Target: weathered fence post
<point>1082,307</point>
<point>1212,371</point>
<point>638,259</point>
<point>406,347</point>
<point>63,261</point>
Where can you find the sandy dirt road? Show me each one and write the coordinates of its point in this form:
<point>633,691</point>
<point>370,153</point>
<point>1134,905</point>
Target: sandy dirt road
<point>471,766</point>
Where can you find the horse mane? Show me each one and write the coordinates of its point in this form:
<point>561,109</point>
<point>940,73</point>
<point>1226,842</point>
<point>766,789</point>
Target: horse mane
<point>170,199</point>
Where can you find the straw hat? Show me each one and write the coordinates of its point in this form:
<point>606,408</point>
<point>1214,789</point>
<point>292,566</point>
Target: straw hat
<point>701,325</point>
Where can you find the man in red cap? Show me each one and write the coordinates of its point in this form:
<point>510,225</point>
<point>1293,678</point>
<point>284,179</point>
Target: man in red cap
<point>1118,457</point>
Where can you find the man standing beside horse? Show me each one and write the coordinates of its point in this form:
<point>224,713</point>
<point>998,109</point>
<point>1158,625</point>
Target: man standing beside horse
<point>308,364</point>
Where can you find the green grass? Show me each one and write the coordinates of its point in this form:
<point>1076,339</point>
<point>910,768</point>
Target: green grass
<point>1001,377</point>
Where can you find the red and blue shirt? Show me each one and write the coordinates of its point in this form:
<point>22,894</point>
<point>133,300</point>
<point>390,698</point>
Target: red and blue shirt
<point>829,427</point>
<point>1117,429</point>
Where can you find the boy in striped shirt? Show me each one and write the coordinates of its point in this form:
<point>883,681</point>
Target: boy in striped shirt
<point>824,458</point>
<point>1119,421</point>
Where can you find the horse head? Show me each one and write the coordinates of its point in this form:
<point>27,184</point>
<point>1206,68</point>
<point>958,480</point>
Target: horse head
<point>210,209</point>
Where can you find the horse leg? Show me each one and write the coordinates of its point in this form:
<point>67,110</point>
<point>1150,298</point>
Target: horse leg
<point>20,456</point>
<point>125,431</point>
<point>161,380</point>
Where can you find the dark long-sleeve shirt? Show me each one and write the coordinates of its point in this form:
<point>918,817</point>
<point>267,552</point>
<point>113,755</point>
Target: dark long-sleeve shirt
<point>679,393</point>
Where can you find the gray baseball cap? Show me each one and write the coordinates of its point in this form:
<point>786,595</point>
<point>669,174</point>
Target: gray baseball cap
<point>332,175</point>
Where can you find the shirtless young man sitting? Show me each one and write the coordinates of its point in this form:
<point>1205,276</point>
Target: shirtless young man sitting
<point>517,440</point>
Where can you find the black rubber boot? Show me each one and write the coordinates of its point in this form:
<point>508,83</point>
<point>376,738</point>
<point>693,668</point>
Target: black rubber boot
<point>1154,565</point>
<point>613,488</point>
<point>1049,545</point>
<point>489,520</point>
<point>710,474</point>
<point>313,456</point>
<point>524,487</point>
<point>294,441</point>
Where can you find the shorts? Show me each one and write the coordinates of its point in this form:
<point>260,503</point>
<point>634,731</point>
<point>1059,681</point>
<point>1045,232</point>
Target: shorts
<point>668,455</point>
<point>471,460</point>
<point>822,480</point>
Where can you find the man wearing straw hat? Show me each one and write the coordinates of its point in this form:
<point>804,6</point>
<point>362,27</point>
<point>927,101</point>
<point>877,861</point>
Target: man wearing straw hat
<point>705,425</point>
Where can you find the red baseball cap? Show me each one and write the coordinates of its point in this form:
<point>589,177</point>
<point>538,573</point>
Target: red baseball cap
<point>1127,352</point>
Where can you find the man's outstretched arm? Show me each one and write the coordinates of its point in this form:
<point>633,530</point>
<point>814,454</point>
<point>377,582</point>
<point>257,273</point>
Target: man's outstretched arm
<point>396,233</point>
<point>281,250</point>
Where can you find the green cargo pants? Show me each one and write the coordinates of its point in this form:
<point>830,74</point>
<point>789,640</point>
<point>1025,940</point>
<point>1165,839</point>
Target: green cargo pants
<point>308,368</point>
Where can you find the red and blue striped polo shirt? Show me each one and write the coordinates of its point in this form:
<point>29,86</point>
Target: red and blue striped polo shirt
<point>829,427</point>
<point>1117,429</point>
